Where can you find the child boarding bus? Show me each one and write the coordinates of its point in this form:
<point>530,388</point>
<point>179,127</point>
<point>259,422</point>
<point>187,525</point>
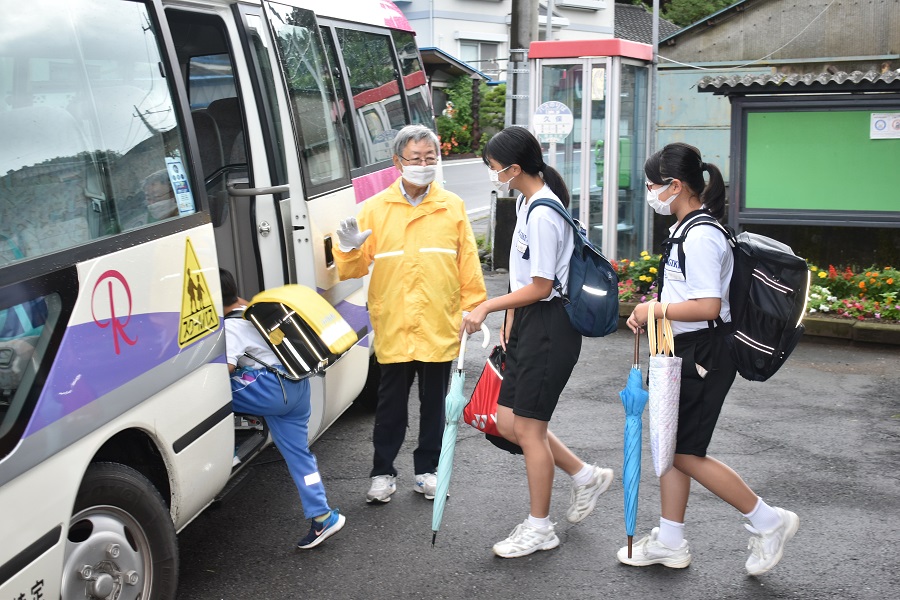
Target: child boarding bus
<point>143,144</point>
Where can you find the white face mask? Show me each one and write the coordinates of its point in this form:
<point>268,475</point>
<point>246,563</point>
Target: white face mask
<point>494,176</point>
<point>420,175</point>
<point>661,207</point>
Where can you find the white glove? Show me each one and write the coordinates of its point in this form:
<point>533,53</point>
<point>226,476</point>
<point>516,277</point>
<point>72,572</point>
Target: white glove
<point>349,235</point>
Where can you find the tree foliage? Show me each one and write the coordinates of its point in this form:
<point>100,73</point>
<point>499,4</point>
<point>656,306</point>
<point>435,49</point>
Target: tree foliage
<point>492,115</point>
<point>456,131</point>
<point>684,12</point>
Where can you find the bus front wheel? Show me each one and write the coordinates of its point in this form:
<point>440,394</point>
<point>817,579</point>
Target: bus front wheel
<point>121,541</point>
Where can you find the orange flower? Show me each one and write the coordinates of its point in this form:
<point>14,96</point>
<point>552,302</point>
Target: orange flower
<point>890,281</point>
<point>862,285</point>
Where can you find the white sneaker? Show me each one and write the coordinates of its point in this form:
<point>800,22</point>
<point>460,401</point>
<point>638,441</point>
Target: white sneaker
<point>584,497</point>
<point>382,488</point>
<point>426,484</point>
<point>650,551</point>
<point>766,548</point>
<point>526,539</point>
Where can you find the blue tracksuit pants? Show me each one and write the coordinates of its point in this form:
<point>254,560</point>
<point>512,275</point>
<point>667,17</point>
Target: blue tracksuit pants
<point>259,393</point>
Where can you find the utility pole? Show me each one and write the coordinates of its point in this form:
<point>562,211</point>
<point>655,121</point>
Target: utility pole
<point>523,30</point>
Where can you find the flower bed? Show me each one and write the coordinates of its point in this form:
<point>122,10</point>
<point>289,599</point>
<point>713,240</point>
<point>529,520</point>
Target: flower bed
<point>843,294</point>
<point>868,295</point>
<point>637,278</point>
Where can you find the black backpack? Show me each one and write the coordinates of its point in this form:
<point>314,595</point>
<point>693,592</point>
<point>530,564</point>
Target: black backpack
<point>592,301</point>
<point>768,293</point>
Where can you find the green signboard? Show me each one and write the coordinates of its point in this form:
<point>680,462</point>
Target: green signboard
<point>819,160</point>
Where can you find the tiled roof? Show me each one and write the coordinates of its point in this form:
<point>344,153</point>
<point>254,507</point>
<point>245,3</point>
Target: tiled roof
<point>802,83</point>
<point>636,24</point>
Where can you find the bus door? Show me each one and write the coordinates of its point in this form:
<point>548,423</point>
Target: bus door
<point>224,58</point>
<point>273,148</point>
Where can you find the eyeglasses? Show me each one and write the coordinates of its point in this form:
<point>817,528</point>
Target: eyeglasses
<point>650,183</point>
<point>418,160</point>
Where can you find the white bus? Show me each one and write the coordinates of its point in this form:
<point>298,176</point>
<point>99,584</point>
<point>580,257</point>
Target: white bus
<point>143,144</point>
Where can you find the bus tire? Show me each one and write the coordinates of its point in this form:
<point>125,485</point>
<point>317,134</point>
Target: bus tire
<point>121,541</point>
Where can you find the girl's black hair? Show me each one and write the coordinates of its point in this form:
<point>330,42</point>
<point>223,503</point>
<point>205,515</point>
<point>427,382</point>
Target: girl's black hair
<point>517,146</point>
<point>683,162</point>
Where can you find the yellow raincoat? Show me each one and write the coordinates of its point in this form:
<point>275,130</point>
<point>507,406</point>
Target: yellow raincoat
<point>426,271</point>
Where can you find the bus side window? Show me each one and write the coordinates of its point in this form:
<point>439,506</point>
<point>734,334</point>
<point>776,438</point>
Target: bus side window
<point>413,78</point>
<point>314,103</point>
<point>376,91</point>
<point>342,103</point>
<point>87,129</point>
<point>44,206</point>
<point>25,330</point>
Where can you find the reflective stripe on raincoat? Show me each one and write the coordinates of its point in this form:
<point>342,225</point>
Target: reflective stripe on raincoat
<point>425,272</point>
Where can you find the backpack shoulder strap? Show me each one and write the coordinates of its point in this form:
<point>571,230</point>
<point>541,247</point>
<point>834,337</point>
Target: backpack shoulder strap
<point>559,208</point>
<point>698,217</point>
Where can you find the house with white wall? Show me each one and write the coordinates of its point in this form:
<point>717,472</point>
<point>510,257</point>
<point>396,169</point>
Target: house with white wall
<point>477,32</point>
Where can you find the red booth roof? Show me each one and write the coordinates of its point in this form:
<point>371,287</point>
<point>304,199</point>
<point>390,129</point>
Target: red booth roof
<point>578,48</point>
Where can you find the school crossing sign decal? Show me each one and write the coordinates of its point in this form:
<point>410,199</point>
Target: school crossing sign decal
<point>198,315</point>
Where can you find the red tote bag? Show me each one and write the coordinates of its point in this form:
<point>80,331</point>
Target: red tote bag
<point>481,411</point>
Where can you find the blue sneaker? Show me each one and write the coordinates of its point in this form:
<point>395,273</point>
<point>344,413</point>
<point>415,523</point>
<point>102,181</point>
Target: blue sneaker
<point>319,532</point>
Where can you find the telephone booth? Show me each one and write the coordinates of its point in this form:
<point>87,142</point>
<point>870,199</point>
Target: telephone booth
<point>605,85</point>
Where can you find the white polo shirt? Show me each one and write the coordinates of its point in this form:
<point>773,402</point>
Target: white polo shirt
<point>548,238</point>
<point>708,264</point>
<point>241,336</point>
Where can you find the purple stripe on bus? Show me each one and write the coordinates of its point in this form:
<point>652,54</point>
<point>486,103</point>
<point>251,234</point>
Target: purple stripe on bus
<point>146,342</point>
<point>70,385</point>
<point>358,319</point>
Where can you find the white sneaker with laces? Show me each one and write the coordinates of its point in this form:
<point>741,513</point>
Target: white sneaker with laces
<point>766,548</point>
<point>650,551</point>
<point>526,539</point>
<point>382,488</point>
<point>584,497</point>
<point>426,484</point>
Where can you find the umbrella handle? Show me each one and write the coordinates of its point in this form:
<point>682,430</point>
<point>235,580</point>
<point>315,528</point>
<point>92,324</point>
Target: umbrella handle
<point>462,344</point>
<point>637,343</point>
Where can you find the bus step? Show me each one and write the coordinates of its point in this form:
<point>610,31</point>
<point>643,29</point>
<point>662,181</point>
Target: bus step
<point>233,485</point>
<point>250,445</point>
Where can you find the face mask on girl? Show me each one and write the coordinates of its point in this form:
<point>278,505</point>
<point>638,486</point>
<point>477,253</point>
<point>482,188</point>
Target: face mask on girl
<point>661,207</point>
<point>494,176</point>
<point>420,175</point>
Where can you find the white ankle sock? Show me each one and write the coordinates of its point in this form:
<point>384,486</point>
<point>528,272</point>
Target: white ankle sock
<point>763,517</point>
<point>539,522</point>
<point>583,477</point>
<point>671,533</point>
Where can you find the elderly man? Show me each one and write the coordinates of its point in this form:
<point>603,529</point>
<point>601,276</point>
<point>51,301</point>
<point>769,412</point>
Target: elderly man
<point>425,273</point>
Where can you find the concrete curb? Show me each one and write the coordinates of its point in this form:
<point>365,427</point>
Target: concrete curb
<point>841,329</point>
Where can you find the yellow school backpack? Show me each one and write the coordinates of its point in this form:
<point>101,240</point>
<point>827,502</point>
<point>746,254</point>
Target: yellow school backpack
<point>303,329</point>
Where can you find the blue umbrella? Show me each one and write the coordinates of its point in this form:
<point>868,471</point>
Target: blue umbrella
<point>454,404</point>
<point>634,399</point>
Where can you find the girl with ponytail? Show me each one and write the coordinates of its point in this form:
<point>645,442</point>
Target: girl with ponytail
<point>696,295</point>
<point>541,345</point>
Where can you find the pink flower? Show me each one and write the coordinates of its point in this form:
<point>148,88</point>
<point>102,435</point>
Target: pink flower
<point>877,315</point>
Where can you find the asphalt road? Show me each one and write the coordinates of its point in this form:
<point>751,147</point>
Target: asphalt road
<point>821,438</point>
